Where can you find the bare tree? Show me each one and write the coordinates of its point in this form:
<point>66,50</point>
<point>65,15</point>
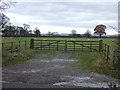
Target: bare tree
<point>117,30</point>
<point>3,20</point>
<point>4,5</point>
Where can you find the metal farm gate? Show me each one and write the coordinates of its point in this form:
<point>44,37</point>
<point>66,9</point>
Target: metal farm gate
<point>65,45</point>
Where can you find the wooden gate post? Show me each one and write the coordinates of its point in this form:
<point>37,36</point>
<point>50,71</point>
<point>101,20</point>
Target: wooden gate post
<point>11,47</point>
<point>100,46</point>
<point>107,53</point>
<point>32,43</point>
<point>65,45</point>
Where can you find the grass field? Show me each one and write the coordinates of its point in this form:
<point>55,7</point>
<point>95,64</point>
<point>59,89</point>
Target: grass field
<point>109,41</point>
<point>89,60</point>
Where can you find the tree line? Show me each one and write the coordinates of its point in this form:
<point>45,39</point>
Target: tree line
<point>12,30</point>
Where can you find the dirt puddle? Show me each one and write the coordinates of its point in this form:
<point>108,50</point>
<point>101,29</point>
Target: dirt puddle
<point>83,82</point>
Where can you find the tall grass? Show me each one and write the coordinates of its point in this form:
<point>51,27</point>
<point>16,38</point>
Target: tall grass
<point>17,57</point>
<point>93,61</point>
<point>16,53</point>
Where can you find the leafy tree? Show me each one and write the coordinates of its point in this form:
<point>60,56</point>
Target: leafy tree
<point>10,30</point>
<point>30,31</point>
<point>100,30</point>
<point>73,32</point>
<point>26,27</point>
<point>87,33</point>
<point>22,31</point>
<point>37,32</point>
<point>49,33</point>
<point>54,33</point>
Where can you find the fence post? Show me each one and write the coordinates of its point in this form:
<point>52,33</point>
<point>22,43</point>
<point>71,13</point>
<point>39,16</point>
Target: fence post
<point>100,46</point>
<point>90,46</point>
<point>65,45</point>
<point>32,43</point>
<point>19,45</point>
<point>41,44</point>
<point>82,46</point>
<point>74,45</point>
<point>11,47</point>
<point>49,44</point>
<point>107,53</point>
<point>57,45</point>
<point>2,46</point>
<point>113,58</point>
<point>25,44</point>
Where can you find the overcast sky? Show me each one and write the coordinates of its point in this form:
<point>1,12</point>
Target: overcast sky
<point>62,17</point>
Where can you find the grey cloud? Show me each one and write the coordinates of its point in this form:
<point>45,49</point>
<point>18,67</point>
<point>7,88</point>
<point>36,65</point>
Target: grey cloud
<point>67,14</point>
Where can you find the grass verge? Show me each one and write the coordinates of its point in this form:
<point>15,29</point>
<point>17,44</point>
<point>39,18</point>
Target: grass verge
<point>17,57</point>
<point>93,61</point>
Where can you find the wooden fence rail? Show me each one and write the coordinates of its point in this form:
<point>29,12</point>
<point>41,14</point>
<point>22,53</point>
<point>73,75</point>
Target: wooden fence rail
<point>15,46</point>
<point>110,54</point>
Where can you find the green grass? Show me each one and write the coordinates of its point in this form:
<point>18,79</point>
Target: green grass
<point>19,54</point>
<point>105,40</point>
<point>93,61</point>
<point>89,60</point>
<point>17,57</point>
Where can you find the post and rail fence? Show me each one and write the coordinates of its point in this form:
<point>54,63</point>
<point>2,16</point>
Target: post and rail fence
<point>10,47</point>
<point>107,51</point>
<point>110,53</point>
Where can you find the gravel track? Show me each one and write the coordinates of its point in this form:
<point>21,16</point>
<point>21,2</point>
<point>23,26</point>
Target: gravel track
<point>49,72</point>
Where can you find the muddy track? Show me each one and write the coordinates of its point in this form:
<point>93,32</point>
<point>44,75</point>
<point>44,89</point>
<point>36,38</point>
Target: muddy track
<point>47,71</point>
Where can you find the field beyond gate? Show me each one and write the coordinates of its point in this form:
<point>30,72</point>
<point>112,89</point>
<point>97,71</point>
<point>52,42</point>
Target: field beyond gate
<point>65,45</point>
